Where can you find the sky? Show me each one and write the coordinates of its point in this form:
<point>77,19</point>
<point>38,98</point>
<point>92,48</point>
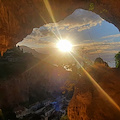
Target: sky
<point>86,30</point>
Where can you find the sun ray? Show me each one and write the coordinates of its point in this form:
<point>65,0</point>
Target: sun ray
<point>97,86</point>
<point>38,63</point>
<point>48,7</point>
<point>50,28</point>
<point>43,19</point>
<point>82,58</point>
<point>55,35</point>
<point>77,45</point>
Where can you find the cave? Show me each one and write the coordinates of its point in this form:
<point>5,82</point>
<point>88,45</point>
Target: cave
<point>18,18</point>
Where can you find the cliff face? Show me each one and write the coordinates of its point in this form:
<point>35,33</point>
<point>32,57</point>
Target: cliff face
<point>89,104</point>
<point>18,18</point>
<point>38,83</point>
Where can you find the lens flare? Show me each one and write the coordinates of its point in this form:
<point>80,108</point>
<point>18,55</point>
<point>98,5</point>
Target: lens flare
<point>97,86</point>
<point>49,9</point>
<point>64,45</point>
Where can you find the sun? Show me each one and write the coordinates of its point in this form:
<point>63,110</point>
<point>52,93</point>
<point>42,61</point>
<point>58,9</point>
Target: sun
<point>64,45</point>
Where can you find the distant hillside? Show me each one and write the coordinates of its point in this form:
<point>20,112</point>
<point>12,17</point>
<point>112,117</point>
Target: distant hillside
<point>50,55</point>
<point>34,52</point>
<point>41,81</point>
<point>24,78</point>
<point>48,50</point>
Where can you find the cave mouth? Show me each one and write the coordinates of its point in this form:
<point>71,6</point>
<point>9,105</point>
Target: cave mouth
<point>87,31</point>
<point>92,37</point>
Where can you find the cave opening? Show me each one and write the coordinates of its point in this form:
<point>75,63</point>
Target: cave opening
<point>91,35</point>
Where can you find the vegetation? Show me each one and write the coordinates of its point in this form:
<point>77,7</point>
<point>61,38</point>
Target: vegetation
<point>1,115</point>
<point>117,60</point>
<point>64,118</point>
<point>91,7</point>
<point>15,62</point>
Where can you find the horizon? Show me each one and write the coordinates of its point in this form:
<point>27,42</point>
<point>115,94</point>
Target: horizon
<point>83,28</point>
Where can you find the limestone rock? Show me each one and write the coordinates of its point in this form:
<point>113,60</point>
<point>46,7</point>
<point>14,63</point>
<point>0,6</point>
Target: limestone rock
<point>88,103</point>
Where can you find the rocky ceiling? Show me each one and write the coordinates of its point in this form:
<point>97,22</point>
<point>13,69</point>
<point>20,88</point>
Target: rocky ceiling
<point>19,17</point>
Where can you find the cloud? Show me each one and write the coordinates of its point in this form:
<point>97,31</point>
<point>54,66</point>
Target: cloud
<point>80,19</point>
<point>92,50</point>
<point>111,36</point>
<point>101,46</point>
<point>96,49</point>
<point>41,32</point>
<point>39,36</point>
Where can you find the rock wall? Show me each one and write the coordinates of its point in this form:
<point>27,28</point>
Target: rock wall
<point>38,82</point>
<point>90,104</point>
<point>19,17</point>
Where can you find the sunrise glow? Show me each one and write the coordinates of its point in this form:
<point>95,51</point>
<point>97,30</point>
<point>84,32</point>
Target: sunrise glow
<point>64,45</point>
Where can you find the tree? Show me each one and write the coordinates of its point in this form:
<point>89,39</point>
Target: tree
<point>117,60</point>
